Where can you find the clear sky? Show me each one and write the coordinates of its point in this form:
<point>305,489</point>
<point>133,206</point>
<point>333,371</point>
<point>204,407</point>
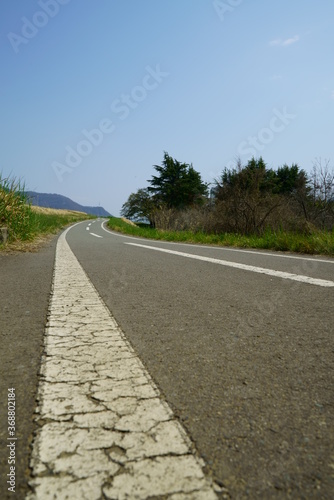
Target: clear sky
<point>94,91</point>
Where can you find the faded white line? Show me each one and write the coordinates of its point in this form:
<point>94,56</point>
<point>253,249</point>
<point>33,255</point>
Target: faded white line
<point>97,235</point>
<point>221,247</point>
<point>244,267</point>
<point>104,430</point>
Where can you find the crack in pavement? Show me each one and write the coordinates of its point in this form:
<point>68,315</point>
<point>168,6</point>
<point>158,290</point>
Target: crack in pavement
<point>104,430</point>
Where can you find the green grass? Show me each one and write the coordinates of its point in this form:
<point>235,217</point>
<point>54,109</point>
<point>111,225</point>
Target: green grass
<point>45,223</point>
<point>319,242</point>
<point>24,222</point>
<point>15,214</point>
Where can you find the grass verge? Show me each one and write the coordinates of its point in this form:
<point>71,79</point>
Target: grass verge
<point>48,220</point>
<point>27,224</point>
<point>318,242</point>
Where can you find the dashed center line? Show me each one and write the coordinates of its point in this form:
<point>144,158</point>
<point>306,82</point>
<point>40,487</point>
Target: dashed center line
<point>97,235</point>
<point>104,430</point>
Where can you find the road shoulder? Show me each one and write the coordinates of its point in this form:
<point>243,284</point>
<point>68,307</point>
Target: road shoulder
<point>25,284</point>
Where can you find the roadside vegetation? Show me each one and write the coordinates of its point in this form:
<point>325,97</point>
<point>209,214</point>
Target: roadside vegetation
<point>25,222</point>
<point>247,206</point>
<point>321,242</point>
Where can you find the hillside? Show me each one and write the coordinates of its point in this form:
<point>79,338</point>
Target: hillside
<point>59,201</point>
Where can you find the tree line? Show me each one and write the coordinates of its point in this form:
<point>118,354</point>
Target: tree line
<point>246,199</point>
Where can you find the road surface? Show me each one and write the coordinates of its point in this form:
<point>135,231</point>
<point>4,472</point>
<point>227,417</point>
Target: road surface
<point>238,344</point>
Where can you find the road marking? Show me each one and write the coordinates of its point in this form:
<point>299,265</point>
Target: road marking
<point>104,430</point>
<point>87,228</point>
<point>97,235</point>
<point>220,247</point>
<point>244,267</point>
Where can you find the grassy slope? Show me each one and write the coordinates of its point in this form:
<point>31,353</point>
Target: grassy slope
<point>319,242</point>
<point>28,225</point>
<point>48,220</point>
<point>24,222</point>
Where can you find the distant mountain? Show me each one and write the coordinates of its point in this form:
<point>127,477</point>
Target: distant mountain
<point>59,201</point>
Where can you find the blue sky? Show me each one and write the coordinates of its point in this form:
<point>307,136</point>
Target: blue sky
<point>94,92</point>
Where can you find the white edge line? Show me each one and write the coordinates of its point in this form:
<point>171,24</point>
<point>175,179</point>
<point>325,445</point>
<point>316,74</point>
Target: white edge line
<point>218,247</point>
<point>206,486</point>
<point>244,267</point>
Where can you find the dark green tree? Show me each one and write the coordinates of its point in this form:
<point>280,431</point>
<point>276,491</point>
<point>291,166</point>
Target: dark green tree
<point>289,179</point>
<point>246,196</point>
<point>178,185</point>
<point>138,206</point>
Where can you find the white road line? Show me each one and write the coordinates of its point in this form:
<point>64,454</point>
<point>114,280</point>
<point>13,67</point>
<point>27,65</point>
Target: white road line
<point>221,247</point>
<point>244,267</point>
<point>87,228</point>
<point>104,430</point>
<point>97,235</point>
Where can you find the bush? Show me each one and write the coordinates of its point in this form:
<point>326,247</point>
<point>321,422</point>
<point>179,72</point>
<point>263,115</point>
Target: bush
<point>15,212</point>
<point>193,219</point>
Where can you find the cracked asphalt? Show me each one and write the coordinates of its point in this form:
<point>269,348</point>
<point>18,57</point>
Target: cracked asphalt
<point>245,360</point>
<point>163,377</point>
<point>104,430</point>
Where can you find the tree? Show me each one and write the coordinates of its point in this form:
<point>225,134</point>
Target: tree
<point>253,196</point>
<point>178,185</point>
<point>138,206</point>
<point>245,196</point>
<point>322,180</point>
<point>321,194</point>
<point>289,179</point>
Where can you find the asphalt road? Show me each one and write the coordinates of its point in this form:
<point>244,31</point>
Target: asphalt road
<point>244,359</point>
<point>25,283</point>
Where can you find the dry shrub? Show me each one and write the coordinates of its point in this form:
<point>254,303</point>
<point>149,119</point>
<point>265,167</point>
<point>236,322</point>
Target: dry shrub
<point>191,219</point>
<point>285,215</point>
